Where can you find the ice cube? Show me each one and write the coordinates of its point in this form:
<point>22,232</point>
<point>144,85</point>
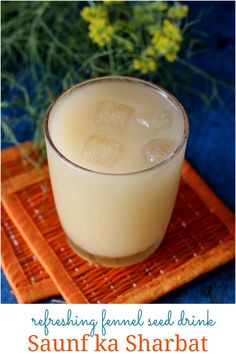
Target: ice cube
<point>157,150</point>
<point>110,112</point>
<point>155,120</point>
<point>165,119</point>
<point>102,150</point>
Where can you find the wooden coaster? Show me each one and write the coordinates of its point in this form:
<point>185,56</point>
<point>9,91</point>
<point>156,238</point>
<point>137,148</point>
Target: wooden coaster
<point>200,238</point>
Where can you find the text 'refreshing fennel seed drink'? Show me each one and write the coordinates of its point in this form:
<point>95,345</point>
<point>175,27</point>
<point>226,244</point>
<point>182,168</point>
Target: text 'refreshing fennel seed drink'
<point>115,148</point>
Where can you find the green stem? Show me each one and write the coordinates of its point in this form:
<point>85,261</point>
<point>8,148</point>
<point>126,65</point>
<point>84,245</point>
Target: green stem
<point>111,59</point>
<point>203,73</point>
<point>13,82</point>
<point>195,69</point>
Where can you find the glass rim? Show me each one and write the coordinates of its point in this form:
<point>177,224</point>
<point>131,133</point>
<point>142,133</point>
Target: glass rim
<point>121,78</point>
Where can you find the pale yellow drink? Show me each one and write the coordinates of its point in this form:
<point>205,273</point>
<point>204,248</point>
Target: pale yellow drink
<point>115,149</point>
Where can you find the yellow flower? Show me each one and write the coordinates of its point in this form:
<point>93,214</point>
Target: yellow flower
<point>167,47</point>
<point>156,35</point>
<point>150,52</point>
<point>111,2</point>
<point>178,11</point>
<point>145,65</point>
<point>100,32</point>
<point>172,31</point>
<point>90,14</point>
<point>143,15</point>
<point>166,40</point>
<point>137,64</point>
<point>163,44</point>
<point>152,65</point>
<point>171,56</point>
<point>160,5</point>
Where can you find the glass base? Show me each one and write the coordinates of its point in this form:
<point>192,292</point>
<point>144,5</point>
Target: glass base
<point>111,262</point>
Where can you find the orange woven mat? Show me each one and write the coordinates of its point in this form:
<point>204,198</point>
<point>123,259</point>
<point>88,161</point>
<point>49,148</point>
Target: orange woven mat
<point>200,238</point>
<point>28,279</point>
<point>26,275</point>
